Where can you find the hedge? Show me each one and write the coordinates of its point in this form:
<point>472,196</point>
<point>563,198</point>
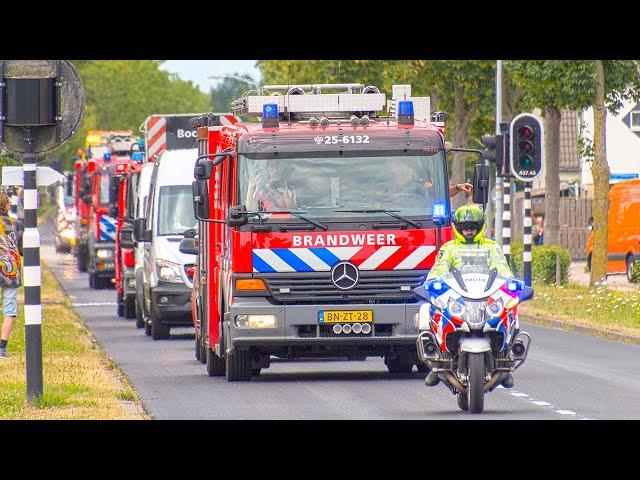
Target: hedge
<point>635,272</point>
<point>543,264</point>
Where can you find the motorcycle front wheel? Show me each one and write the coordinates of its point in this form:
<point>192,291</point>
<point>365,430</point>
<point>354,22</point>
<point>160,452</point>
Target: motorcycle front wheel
<point>475,391</point>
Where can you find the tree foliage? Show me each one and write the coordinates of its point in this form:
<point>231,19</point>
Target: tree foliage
<point>230,89</point>
<point>120,94</point>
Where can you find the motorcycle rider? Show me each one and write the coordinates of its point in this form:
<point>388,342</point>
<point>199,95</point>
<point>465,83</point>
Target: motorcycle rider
<point>468,228</point>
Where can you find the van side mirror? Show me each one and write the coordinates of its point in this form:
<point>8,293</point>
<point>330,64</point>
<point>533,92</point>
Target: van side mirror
<point>200,190</point>
<point>138,229</point>
<point>238,216</point>
<point>188,246</point>
<point>481,184</point>
<point>191,233</point>
<point>126,237</point>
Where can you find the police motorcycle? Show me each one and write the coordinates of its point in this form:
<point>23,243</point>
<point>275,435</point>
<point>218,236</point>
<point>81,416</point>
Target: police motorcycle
<point>469,330</point>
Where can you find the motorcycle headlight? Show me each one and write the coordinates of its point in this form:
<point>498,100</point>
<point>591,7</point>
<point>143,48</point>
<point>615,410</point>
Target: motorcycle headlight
<point>456,308</point>
<point>495,309</point>
<point>168,271</point>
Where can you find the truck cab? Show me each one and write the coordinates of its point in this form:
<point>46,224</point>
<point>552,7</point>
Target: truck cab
<point>316,225</point>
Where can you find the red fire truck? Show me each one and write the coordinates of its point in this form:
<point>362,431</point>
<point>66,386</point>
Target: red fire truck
<point>123,191</point>
<point>315,227</point>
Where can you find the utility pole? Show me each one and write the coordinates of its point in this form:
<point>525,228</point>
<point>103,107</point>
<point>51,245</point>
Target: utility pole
<point>499,189</point>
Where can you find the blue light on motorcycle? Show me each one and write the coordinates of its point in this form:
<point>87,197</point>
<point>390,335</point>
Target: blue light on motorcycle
<point>439,212</point>
<point>513,286</point>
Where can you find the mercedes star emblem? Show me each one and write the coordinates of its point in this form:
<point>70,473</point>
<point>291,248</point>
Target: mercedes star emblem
<point>344,275</point>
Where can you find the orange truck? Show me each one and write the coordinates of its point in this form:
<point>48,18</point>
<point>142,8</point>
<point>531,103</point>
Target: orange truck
<point>623,247</point>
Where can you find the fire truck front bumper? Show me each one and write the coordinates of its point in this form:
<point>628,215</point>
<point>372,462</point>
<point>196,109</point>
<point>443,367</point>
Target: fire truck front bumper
<point>172,303</point>
<point>322,330</point>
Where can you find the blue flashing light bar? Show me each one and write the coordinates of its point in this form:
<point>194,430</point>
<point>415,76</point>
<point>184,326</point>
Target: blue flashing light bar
<point>270,115</point>
<point>137,156</point>
<point>106,157</point>
<point>405,112</point>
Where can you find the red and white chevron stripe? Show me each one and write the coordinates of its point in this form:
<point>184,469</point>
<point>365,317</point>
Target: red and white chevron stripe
<point>157,137</point>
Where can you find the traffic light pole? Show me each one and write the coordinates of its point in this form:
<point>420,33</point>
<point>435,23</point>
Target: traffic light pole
<point>526,256</point>
<point>499,191</point>
<point>506,218</point>
<point>32,277</point>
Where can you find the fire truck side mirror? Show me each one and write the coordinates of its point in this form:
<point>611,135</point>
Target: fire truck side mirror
<point>188,246</point>
<point>481,184</point>
<point>200,190</point>
<point>203,169</point>
<point>138,229</point>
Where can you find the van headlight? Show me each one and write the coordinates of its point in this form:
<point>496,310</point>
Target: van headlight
<point>169,271</point>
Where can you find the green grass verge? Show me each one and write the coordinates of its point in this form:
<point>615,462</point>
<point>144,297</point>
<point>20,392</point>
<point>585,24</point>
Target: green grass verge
<point>609,309</point>
<point>78,382</point>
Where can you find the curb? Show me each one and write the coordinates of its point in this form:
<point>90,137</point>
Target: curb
<point>585,330</point>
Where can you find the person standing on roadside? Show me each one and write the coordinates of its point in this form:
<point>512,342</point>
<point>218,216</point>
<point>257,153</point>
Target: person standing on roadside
<point>11,232</point>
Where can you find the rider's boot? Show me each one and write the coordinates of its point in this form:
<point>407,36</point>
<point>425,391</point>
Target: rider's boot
<point>432,379</point>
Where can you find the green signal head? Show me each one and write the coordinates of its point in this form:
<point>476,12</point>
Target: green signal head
<point>526,161</point>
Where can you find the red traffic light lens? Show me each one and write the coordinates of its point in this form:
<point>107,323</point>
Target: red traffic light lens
<point>526,147</point>
<point>525,131</point>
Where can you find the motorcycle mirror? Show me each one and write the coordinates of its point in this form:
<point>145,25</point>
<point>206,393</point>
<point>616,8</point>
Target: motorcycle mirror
<point>423,293</point>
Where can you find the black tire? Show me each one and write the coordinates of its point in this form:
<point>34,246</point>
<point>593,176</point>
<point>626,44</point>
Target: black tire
<point>198,351</point>
<point>92,280</point>
<point>120,303</point>
<point>139,317</point>
<point>147,328</point>
<point>215,365</point>
<point>82,261</point>
<point>238,366</point>
<point>476,382</point>
<point>203,351</point>
<point>589,263</point>
<point>256,372</point>
<point>463,402</point>
<point>629,268</point>
<point>422,368</point>
<point>159,330</point>
<point>398,365</point>
<point>129,308</point>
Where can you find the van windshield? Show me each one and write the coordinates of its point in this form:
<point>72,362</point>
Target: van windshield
<point>175,212</point>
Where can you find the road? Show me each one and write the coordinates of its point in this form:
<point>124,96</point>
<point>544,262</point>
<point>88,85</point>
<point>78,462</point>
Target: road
<point>567,376</point>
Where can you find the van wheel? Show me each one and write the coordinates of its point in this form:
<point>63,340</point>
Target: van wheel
<point>159,330</point>
<point>130,308</point>
<point>630,263</point>
<point>197,347</point>
<point>238,366</point>
<point>139,318</point>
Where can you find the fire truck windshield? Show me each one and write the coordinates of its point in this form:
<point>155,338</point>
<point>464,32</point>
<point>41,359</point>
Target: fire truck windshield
<point>408,183</point>
<point>175,212</point>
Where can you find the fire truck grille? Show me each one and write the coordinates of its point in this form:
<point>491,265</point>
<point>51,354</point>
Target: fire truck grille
<point>372,287</point>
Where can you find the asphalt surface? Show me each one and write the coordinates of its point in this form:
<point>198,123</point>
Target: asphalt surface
<point>567,376</point>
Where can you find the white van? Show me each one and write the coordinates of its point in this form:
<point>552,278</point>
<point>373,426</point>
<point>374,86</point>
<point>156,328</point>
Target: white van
<point>142,191</point>
<point>168,273</point>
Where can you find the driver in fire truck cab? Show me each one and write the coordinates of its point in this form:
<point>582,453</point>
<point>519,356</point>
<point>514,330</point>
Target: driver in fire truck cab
<point>269,190</point>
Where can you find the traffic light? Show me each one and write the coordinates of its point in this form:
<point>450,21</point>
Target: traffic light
<point>527,147</point>
<point>489,153</point>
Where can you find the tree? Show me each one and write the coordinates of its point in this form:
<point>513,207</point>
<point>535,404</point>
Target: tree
<point>120,94</point>
<point>230,89</point>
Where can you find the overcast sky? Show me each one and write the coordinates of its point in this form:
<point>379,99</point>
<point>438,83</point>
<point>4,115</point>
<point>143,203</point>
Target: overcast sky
<point>199,70</point>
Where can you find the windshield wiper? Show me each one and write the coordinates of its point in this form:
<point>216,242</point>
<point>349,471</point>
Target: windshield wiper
<point>297,215</point>
<point>391,213</point>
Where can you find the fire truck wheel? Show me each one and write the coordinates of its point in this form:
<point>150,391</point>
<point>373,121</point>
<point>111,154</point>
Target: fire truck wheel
<point>139,317</point>
<point>197,347</point>
<point>120,303</point>
<point>159,330</point>
<point>239,366</point>
<point>215,364</point>
<point>203,354</point>
<point>130,308</point>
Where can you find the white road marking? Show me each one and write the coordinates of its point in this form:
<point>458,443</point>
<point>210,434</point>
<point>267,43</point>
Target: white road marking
<point>93,304</point>
<point>541,403</point>
<point>518,394</point>
<point>566,412</point>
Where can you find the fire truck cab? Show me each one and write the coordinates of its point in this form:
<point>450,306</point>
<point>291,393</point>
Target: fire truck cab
<point>315,226</point>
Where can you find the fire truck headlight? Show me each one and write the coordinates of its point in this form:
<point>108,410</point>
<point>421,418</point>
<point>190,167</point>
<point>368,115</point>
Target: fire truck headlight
<point>256,321</point>
<point>168,271</point>
<point>103,253</point>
